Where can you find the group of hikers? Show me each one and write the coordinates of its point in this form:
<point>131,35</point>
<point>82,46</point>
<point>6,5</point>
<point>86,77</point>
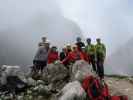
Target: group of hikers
<point>93,54</point>
<point>94,88</point>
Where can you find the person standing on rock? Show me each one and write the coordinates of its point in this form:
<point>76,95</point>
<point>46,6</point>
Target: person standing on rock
<point>41,56</point>
<point>44,39</point>
<point>79,43</point>
<point>100,56</point>
<point>91,52</point>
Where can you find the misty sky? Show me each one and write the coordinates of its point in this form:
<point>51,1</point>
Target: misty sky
<point>109,19</point>
<point>24,22</point>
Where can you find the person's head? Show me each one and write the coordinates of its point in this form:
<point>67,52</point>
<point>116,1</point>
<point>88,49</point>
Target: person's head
<point>47,44</point>
<point>54,49</point>
<point>75,48</point>
<point>78,39</point>
<point>88,40</point>
<point>68,47</point>
<point>98,40</point>
<point>44,39</point>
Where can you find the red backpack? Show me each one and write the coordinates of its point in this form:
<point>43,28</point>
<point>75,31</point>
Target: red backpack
<point>119,98</point>
<point>94,89</point>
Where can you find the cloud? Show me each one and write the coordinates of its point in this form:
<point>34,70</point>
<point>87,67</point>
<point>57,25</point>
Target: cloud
<point>109,19</point>
<point>23,23</point>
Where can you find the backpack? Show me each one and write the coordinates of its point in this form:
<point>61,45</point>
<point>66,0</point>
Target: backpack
<point>94,89</point>
<point>119,98</point>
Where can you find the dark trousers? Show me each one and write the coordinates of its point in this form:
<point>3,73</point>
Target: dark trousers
<point>39,65</point>
<point>100,67</point>
<point>93,63</point>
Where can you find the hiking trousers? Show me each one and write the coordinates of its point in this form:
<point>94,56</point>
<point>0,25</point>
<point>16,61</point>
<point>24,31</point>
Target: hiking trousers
<point>100,68</point>
<point>39,65</point>
<point>93,62</point>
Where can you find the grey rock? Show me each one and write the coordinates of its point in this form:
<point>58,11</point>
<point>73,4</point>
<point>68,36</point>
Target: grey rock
<point>80,69</point>
<point>73,91</point>
<point>56,75</point>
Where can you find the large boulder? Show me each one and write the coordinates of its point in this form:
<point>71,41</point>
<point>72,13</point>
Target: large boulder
<point>7,71</point>
<point>13,79</point>
<point>80,69</point>
<point>73,91</point>
<point>56,75</point>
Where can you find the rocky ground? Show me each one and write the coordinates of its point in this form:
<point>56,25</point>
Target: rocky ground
<point>49,85</point>
<point>120,86</point>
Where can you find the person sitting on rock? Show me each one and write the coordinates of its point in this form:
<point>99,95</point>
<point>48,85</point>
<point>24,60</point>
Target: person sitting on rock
<point>63,54</point>
<point>53,55</point>
<point>68,49</point>
<point>73,56</point>
<point>85,56</point>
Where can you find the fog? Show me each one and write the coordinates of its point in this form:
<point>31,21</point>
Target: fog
<point>24,22</point>
<point>109,19</point>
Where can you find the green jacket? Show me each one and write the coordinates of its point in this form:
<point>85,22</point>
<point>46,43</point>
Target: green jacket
<point>90,49</point>
<point>100,49</point>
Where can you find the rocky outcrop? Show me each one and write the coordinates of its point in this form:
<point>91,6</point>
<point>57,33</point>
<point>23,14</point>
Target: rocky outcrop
<point>73,91</point>
<point>59,83</point>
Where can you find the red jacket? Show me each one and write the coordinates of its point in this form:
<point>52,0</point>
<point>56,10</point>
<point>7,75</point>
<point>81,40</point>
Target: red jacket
<point>119,97</point>
<point>52,57</point>
<point>73,56</point>
<point>87,83</point>
<point>85,57</point>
